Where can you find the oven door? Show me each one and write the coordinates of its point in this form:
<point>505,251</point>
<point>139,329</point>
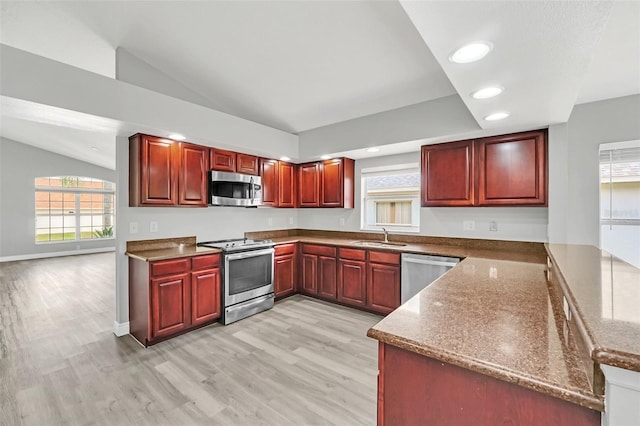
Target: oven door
<point>247,275</point>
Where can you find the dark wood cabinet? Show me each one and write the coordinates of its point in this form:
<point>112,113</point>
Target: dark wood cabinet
<point>153,178</point>
<point>308,185</point>
<point>163,172</point>
<point>222,161</point>
<point>512,169</point>
<point>169,297</point>
<point>286,184</point>
<point>505,170</point>
<point>269,173</point>
<point>383,281</point>
<point>285,270</point>
<point>192,181</point>
<point>413,387</point>
<point>352,277</point>
<point>169,305</point>
<point>248,164</point>
<point>448,174</point>
<point>328,183</point>
<point>318,271</point>
<point>327,286</point>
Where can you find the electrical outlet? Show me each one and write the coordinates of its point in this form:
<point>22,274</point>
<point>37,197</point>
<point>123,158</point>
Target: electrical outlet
<point>133,227</point>
<point>342,221</point>
<point>270,221</point>
<point>493,226</point>
<point>469,225</point>
<point>153,226</point>
<point>291,221</point>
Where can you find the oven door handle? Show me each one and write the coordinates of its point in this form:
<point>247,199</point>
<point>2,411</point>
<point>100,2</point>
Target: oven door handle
<point>247,254</point>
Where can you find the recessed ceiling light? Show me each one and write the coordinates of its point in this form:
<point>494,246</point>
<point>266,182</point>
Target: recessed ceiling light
<point>285,158</point>
<point>471,52</point>
<point>497,116</point>
<point>95,148</point>
<point>325,157</point>
<point>373,149</point>
<point>487,92</point>
<point>177,136</point>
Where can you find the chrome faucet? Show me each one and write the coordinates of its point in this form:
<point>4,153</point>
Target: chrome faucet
<point>386,235</point>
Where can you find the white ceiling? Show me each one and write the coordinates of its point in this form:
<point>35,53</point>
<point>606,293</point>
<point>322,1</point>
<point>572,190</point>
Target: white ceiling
<point>300,65</point>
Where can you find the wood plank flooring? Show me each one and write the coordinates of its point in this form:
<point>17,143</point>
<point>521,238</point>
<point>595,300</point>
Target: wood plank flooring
<point>304,362</point>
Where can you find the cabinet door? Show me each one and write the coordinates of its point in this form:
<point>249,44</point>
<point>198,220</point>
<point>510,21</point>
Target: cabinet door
<point>286,184</point>
<point>327,276</point>
<point>308,185</point>
<point>352,284</point>
<point>309,274</point>
<point>248,164</point>
<point>383,287</point>
<point>512,169</point>
<point>153,173</point>
<point>331,183</point>
<point>269,174</point>
<point>169,304</point>
<point>222,161</point>
<point>284,275</point>
<point>192,183</point>
<point>205,296</point>
<point>448,174</point>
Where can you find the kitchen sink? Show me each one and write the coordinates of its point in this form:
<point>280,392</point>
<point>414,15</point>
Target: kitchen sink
<point>378,243</point>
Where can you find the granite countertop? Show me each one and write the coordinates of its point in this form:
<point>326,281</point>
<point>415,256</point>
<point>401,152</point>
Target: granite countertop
<point>166,248</point>
<point>603,293</point>
<point>494,317</point>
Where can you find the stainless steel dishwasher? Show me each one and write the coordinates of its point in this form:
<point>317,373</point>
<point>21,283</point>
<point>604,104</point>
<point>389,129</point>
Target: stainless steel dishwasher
<point>419,270</point>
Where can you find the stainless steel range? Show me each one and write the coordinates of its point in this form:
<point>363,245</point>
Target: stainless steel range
<point>248,277</point>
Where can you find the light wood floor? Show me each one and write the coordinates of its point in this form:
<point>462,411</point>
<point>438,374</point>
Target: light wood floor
<point>305,362</point>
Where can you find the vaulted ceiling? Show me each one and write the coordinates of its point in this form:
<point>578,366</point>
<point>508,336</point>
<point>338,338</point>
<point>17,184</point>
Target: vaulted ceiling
<point>300,65</point>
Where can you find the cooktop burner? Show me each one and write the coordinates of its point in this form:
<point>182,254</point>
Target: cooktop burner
<point>238,244</point>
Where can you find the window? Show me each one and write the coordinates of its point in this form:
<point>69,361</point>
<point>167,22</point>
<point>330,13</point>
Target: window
<point>391,198</point>
<point>620,200</point>
<point>72,208</point>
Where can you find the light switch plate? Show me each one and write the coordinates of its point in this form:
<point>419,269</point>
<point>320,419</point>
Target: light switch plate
<point>153,226</point>
<point>133,227</point>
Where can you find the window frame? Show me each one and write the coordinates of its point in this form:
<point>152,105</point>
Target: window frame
<point>395,169</point>
<point>77,191</point>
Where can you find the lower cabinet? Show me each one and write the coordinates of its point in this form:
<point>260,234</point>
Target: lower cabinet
<point>352,277</point>
<point>383,281</point>
<point>318,274</point>
<point>169,297</point>
<point>284,270</point>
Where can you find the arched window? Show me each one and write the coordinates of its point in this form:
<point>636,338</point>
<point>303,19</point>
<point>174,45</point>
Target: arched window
<point>72,208</point>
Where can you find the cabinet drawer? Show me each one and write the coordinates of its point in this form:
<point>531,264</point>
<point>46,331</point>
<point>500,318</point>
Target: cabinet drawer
<point>355,254</point>
<point>319,250</point>
<point>285,249</point>
<point>205,262</point>
<point>166,267</point>
<point>384,257</point>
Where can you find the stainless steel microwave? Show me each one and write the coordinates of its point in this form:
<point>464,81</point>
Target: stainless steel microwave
<point>234,189</point>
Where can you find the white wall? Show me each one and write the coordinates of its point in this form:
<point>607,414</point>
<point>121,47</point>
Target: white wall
<point>590,125</point>
<point>20,165</point>
<point>514,223</point>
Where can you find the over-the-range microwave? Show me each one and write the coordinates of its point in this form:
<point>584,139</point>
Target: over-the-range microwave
<point>234,189</point>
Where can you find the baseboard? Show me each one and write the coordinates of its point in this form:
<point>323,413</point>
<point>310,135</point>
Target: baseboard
<point>55,254</point>
<point>120,329</point>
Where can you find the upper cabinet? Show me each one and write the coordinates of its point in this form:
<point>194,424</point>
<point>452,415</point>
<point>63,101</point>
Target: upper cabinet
<point>328,183</point>
<point>163,172</point>
<point>222,161</point>
<point>448,174</point>
<point>278,183</point>
<point>506,170</point>
<point>512,169</point>
<point>230,161</point>
<point>248,164</point>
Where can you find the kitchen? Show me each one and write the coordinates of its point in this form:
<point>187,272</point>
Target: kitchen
<point>562,221</point>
